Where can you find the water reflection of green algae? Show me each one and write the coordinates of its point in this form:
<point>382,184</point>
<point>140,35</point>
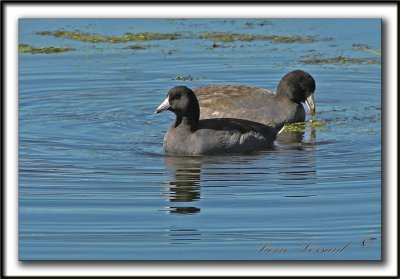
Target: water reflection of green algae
<point>23,48</point>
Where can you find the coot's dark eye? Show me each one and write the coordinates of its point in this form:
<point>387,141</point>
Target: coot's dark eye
<point>176,97</point>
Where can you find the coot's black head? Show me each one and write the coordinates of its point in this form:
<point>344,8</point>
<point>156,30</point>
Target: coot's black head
<point>183,102</point>
<point>298,86</point>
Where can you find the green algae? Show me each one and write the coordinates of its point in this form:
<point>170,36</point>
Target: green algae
<point>294,39</point>
<point>339,60</point>
<point>215,45</point>
<point>302,126</point>
<point>238,37</point>
<point>151,36</point>
<point>184,78</point>
<point>97,38</point>
<point>364,47</point>
<point>262,23</point>
<point>148,36</point>
<point>137,47</point>
<point>23,48</point>
<point>226,37</point>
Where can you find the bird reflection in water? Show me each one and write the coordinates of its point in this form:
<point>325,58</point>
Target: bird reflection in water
<point>185,184</point>
<point>299,165</point>
<point>184,187</point>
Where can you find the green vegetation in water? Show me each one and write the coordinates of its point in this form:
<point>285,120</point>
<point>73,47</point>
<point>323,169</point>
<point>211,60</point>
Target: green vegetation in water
<point>235,37</point>
<point>262,23</point>
<point>226,37</point>
<point>137,47</point>
<point>169,51</point>
<point>364,47</point>
<point>215,45</point>
<point>216,36</point>
<point>184,78</point>
<point>96,38</point>
<point>302,126</point>
<point>339,60</point>
<point>31,49</point>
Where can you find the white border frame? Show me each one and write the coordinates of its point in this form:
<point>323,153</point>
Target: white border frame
<point>14,11</point>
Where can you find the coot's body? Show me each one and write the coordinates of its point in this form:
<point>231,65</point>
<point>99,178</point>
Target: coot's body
<point>260,105</point>
<point>190,136</point>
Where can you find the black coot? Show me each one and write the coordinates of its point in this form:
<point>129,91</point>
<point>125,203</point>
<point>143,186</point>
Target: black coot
<point>190,136</point>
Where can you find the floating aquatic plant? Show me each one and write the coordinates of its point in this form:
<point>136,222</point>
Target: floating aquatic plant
<point>262,23</point>
<point>234,37</point>
<point>137,47</point>
<point>302,126</point>
<point>96,38</point>
<point>148,36</point>
<point>339,60</point>
<point>364,47</point>
<point>226,37</point>
<point>184,78</point>
<point>293,39</point>
<point>23,48</point>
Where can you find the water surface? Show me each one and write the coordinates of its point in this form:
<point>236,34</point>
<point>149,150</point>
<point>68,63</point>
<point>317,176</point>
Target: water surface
<point>94,183</point>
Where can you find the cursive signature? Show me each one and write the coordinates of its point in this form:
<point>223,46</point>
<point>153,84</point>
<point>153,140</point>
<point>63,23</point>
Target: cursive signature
<point>311,248</point>
<point>308,248</point>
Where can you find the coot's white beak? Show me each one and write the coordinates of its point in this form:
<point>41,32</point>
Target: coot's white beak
<point>164,106</point>
<point>311,105</point>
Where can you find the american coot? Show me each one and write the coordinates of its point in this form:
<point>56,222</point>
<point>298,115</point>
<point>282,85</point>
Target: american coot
<point>258,104</point>
<point>190,136</point>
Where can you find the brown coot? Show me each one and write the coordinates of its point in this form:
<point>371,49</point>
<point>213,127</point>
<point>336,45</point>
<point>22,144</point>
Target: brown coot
<point>260,105</point>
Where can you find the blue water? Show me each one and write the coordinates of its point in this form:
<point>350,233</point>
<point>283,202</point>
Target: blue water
<point>94,182</point>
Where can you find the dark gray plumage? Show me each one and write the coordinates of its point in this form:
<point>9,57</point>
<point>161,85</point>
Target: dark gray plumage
<point>190,136</point>
<point>260,105</point>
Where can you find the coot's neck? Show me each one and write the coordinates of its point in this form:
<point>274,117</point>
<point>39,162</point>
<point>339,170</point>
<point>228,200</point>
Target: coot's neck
<point>190,120</point>
<point>285,95</point>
